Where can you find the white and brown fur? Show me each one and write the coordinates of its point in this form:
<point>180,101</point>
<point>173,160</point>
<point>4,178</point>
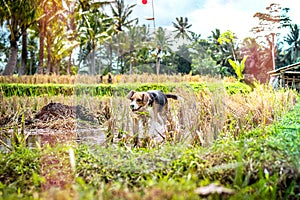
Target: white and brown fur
<point>141,101</point>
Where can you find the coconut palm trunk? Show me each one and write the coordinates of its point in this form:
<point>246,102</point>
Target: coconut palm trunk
<point>12,59</point>
<point>22,69</point>
<point>92,68</point>
<point>42,44</point>
<point>49,59</point>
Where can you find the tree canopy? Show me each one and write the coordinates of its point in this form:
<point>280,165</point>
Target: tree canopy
<point>96,37</point>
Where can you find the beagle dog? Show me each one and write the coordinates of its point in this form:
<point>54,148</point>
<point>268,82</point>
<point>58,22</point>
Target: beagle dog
<point>155,99</point>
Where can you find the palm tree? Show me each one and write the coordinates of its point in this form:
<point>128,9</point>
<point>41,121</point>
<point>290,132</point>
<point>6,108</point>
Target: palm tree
<point>50,12</point>
<point>134,40</point>
<point>182,27</point>
<point>121,14</point>
<point>55,28</point>
<point>42,30</point>
<point>293,39</point>
<point>4,47</point>
<point>163,44</point>
<point>215,36</point>
<point>94,26</point>
<point>140,44</point>
<point>18,15</point>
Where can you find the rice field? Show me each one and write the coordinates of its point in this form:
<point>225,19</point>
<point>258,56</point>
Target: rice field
<point>199,123</point>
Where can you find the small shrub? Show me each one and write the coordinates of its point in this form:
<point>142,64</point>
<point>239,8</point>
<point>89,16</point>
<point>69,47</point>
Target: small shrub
<point>19,168</point>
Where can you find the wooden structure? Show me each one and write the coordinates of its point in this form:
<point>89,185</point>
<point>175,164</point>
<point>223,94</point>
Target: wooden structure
<point>288,76</point>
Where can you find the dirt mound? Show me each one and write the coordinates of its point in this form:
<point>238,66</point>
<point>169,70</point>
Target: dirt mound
<point>57,119</point>
<point>56,111</point>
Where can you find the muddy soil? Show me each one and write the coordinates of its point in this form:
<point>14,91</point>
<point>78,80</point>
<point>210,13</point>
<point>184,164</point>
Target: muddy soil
<point>57,122</point>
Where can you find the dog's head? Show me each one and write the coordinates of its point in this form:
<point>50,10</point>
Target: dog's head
<point>139,100</point>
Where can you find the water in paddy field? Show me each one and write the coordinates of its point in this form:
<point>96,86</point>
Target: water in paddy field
<point>42,137</point>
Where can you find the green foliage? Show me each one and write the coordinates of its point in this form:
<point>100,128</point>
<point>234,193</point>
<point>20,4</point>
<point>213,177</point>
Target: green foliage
<point>198,86</point>
<point>107,90</point>
<point>98,32</point>
<point>163,87</point>
<point>36,89</point>
<point>238,67</point>
<point>19,171</point>
<point>182,28</point>
<point>203,60</point>
<point>183,60</point>
<point>227,37</point>
<point>291,54</point>
<point>252,167</point>
<point>237,87</point>
<point>83,89</point>
<point>222,47</point>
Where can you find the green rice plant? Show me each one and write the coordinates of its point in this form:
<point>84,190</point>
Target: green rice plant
<point>237,88</point>
<point>79,89</point>
<point>84,79</point>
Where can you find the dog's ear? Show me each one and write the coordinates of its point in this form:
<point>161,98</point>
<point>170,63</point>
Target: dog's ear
<point>130,94</point>
<point>145,98</point>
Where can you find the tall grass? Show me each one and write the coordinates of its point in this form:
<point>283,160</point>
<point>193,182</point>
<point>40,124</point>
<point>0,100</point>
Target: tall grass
<point>258,109</point>
<point>197,119</point>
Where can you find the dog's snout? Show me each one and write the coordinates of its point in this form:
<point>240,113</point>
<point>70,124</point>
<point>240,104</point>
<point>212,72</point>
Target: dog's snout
<point>131,106</point>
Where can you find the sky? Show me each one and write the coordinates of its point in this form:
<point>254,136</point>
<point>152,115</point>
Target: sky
<point>207,15</point>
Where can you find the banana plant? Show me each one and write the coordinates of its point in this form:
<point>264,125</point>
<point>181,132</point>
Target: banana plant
<point>238,67</point>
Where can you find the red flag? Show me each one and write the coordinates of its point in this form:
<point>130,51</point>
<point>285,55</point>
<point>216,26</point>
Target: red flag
<point>143,2</point>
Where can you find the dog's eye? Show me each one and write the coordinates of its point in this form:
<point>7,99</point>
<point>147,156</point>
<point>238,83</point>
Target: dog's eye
<point>139,100</point>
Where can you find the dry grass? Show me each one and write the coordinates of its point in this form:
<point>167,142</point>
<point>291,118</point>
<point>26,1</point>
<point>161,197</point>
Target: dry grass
<point>84,79</point>
<point>198,119</point>
<point>260,108</point>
